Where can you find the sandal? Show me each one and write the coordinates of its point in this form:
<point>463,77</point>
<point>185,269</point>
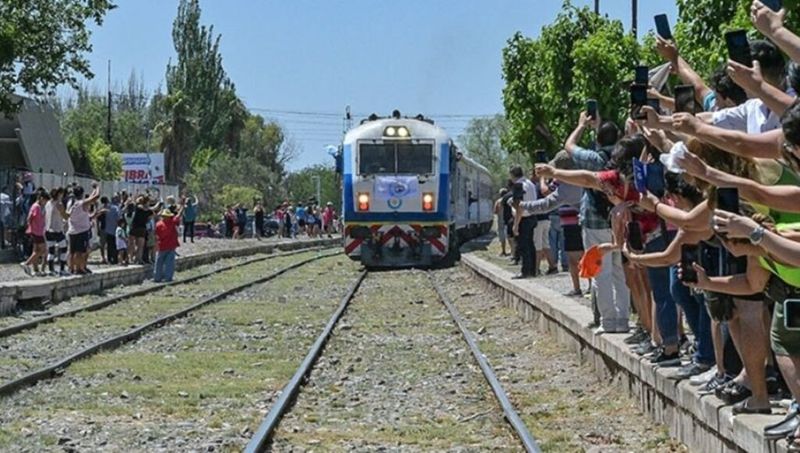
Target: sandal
<point>733,393</point>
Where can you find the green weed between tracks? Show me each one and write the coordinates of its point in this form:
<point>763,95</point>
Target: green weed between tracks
<point>206,377</point>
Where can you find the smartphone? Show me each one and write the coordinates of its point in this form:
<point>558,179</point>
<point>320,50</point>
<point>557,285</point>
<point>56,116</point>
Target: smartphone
<point>791,314</point>
<point>541,157</point>
<point>689,256</point>
<point>739,47</point>
<point>774,5</point>
<point>684,99</point>
<point>591,108</point>
<point>635,241</point>
<point>728,200</point>
<point>639,175</point>
<point>642,75</point>
<point>638,100</point>
<point>662,26</point>
<point>655,103</point>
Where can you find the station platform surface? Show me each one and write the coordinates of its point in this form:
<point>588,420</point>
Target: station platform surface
<point>16,286</point>
<point>702,422</point>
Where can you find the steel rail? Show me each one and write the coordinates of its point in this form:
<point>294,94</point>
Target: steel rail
<point>263,435</point>
<point>27,325</point>
<point>57,367</point>
<point>511,414</point>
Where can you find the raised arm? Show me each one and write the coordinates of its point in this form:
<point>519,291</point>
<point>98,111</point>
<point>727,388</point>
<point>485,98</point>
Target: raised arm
<point>681,68</point>
<point>782,249</point>
<point>754,281</point>
<point>770,23</point>
<point>781,197</point>
<point>751,80</point>
<point>766,145</point>
<point>667,257</point>
<point>572,141</point>
<point>698,219</point>
<point>581,178</point>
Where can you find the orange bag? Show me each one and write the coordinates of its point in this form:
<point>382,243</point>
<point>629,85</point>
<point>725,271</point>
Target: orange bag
<point>591,263</point>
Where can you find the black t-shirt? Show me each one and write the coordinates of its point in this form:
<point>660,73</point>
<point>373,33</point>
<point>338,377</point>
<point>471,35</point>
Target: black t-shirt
<point>140,217</point>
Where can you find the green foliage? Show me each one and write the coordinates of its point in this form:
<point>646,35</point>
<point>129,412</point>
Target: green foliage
<point>42,43</point>
<point>83,122</point>
<point>262,143</point>
<point>701,25</point>
<point>224,169</point>
<point>232,194</point>
<point>579,56</point>
<point>205,91</point>
<point>301,185</point>
<point>106,165</point>
<point>481,141</point>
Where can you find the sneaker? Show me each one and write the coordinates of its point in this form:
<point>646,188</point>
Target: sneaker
<point>714,383</point>
<point>663,359</point>
<point>574,293</point>
<point>27,269</point>
<point>64,274</point>
<point>639,336</point>
<point>702,378</point>
<point>691,369</point>
<point>552,270</point>
<point>644,348</point>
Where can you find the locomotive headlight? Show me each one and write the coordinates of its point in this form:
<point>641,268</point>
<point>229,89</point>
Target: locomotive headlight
<point>363,202</point>
<point>390,132</point>
<point>427,201</point>
<point>402,132</point>
<point>396,132</point>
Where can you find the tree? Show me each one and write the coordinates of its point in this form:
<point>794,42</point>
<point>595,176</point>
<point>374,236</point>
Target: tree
<point>105,164</point>
<point>548,79</point>
<point>207,92</point>
<point>302,186</point>
<point>42,43</point>
<point>263,142</point>
<point>481,141</point>
<point>232,194</point>
<point>83,122</point>
<point>177,132</point>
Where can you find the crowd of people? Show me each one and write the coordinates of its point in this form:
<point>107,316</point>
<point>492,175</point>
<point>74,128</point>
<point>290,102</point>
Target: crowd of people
<point>688,215</point>
<point>65,225</point>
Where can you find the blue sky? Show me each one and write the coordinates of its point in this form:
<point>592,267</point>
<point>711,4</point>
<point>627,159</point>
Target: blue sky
<point>315,57</point>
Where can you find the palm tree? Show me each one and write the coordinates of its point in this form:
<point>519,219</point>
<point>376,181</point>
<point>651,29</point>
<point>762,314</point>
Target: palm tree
<point>176,134</point>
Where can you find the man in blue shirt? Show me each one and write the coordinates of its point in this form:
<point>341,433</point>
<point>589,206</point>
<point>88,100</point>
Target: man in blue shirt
<point>189,217</point>
<point>610,293</point>
<point>112,214</point>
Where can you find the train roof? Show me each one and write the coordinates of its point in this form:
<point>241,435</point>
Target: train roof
<point>374,129</point>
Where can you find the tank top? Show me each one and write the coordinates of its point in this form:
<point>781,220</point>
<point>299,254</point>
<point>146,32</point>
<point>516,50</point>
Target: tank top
<point>54,222</point>
<point>790,275</point>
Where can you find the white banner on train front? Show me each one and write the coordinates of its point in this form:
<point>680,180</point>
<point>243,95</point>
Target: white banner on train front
<point>388,187</point>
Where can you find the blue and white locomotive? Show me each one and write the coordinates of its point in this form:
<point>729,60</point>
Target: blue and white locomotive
<point>410,197</point>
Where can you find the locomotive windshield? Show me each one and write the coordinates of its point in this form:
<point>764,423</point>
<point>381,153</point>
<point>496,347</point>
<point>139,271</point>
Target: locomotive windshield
<point>395,158</point>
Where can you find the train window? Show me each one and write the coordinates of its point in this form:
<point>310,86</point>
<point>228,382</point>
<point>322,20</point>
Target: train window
<point>414,159</point>
<point>376,158</point>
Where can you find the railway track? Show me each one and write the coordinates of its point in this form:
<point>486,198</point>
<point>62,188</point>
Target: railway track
<point>92,316</point>
<point>264,437</point>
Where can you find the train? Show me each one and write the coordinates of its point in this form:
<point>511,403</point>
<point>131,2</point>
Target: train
<point>410,196</point>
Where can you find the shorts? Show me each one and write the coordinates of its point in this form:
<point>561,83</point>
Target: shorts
<point>36,240</point>
<point>541,235</point>
<point>139,232</point>
<point>79,243</point>
<point>501,232</point>
<point>301,223</point>
<point>573,238</point>
<point>55,238</point>
<point>510,229</point>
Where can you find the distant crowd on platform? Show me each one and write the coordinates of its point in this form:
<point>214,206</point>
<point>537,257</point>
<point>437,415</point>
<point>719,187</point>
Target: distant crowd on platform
<point>688,216</point>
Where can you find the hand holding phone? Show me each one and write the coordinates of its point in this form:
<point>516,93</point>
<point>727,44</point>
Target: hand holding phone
<point>642,75</point>
<point>774,5</point>
<point>728,200</point>
<point>541,157</point>
<point>638,100</point>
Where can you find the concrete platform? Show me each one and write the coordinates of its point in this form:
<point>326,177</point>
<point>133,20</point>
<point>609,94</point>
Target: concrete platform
<point>56,289</point>
<point>703,423</point>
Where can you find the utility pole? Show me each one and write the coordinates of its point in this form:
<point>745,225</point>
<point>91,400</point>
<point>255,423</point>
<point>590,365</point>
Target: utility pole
<point>108,119</point>
<point>635,18</point>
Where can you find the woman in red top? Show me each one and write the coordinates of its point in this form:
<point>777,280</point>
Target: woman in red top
<point>36,227</point>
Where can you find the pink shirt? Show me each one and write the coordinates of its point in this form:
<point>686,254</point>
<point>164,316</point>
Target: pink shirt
<point>36,220</point>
